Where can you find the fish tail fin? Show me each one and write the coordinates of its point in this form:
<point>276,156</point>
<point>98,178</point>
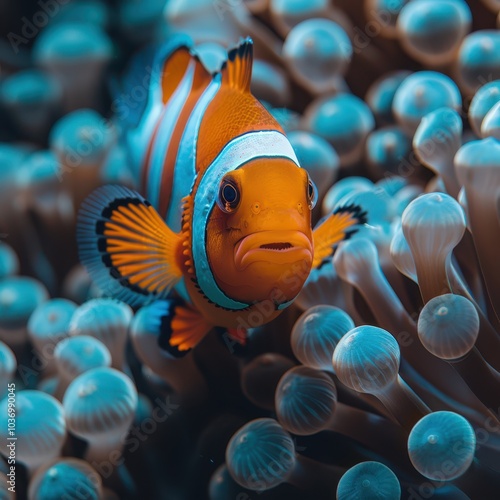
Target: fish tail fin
<point>340,225</point>
<point>237,70</point>
<point>128,250</point>
<point>178,326</point>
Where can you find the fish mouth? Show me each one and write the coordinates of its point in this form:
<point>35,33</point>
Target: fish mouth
<point>277,247</point>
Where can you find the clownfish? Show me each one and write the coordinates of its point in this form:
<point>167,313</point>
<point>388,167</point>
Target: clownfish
<point>224,228</point>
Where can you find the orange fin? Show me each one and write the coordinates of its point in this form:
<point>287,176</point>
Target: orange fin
<point>237,70</point>
<point>181,326</point>
<point>173,71</point>
<point>239,335</point>
<point>173,68</point>
<point>127,248</point>
<point>335,228</point>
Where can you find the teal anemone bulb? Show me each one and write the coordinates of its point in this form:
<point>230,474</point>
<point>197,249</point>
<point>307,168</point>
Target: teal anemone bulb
<point>19,297</point>
<point>66,478</point>
<point>421,93</point>
<point>140,14</point>
<point>260,455</point>
<point>71,42</point>
<point>344,120</point>
<point>375,202</point>
<point>448,326</point>
<point>432,224</point>
<point>76,355</point>
<point>441,445</point>
<point>367,359</point>
<point>93,12</point>
<point>298,9</point>
<point>96,316</point>
<point>40,427</point>
<point>386,148</point>
<point>10,159</point>
<point>100,403</point>
<point>8,365</point>
<point>9,263</point>
<point>381,94</point>
<point>474,161</point>
<point>316,334</point>
<point>484,99</point>
<point>438,137</point>
<point>49,322</point>
<point>270,83</point>
<point>342,188</point>
<point>432,30</point>
<point>39,168</point>
<point>479,59</point>
<point>82,136</point>
<point>317,50</point>
<point>491,123</point>
<point>29,87</point>
<point>393,184</point>
<point>107,320</point>
<point>223,487</point>
<point>116,168</point>
<point>369,481</point>
<point>317,156</point>
<point>305,400</point>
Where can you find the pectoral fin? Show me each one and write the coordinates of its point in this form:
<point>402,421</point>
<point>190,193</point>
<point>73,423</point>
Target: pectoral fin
<point>127,248</point>
<point>333,229</point>
<point>180,326</point>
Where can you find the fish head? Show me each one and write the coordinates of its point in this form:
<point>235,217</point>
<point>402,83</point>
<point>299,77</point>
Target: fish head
<point>259,236</point>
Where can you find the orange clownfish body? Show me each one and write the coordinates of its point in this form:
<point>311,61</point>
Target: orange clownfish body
<point>223,235</point>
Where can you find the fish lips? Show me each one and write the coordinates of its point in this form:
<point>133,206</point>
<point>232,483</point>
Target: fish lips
<point>277,247</point>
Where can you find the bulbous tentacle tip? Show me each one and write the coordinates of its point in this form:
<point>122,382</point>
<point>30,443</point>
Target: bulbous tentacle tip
<point>438,438</point>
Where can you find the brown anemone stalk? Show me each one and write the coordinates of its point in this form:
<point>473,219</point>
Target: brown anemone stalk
<point>448,327</point>
<point>488,341</point>
<point>306,403</point>
<point>367,360</point>
<point>261,455</point>
<point>401,255</point>
<point>356,261</point>
<point>182,374</point>
<point>478,168</point>
<point>433,225</point>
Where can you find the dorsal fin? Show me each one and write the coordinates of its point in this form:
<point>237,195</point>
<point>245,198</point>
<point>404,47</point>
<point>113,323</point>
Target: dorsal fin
<point>237,70</point>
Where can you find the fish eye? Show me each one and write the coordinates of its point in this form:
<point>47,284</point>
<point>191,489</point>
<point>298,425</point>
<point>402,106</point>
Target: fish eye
<point>312,194</point>
<point>229,196</point>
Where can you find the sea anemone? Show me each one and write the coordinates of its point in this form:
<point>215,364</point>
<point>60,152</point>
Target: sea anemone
<point>66,478</point>
<point>40,428</point>
<point>100,405</point>
<point>49,324</point>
